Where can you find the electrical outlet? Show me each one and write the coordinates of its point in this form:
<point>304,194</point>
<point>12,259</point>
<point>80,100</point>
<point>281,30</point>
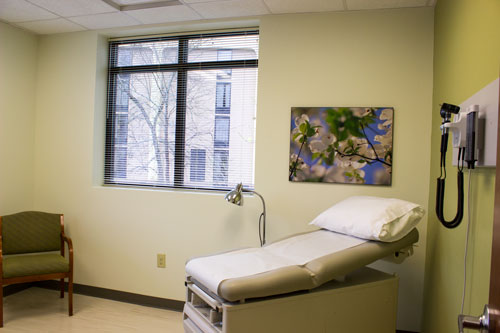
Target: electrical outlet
<point>161,260</point>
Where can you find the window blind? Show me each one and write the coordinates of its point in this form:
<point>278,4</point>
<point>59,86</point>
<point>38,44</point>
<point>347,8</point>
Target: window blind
<point>181,111</point>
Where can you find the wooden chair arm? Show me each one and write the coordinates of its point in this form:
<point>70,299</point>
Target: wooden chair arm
<point>70,247</point>
<point>68,241</point>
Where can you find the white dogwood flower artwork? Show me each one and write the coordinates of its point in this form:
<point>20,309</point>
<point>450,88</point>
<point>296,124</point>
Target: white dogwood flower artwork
<point>341,145</point>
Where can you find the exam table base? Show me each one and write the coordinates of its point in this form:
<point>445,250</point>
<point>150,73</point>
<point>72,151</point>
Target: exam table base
<point>365,302</point>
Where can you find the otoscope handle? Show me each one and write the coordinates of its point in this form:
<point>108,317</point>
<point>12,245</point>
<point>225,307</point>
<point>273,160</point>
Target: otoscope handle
<point>444,142</point>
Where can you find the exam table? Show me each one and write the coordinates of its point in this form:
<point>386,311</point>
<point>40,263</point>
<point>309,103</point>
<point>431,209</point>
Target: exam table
<point>311,282</point>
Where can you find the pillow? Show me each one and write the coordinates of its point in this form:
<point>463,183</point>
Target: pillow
<point>381,219</point>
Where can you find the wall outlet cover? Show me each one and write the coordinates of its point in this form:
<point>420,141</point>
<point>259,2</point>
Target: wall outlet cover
<point>161,260</point>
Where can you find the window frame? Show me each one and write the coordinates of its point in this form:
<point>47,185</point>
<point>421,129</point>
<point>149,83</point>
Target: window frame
<point>182,67</point>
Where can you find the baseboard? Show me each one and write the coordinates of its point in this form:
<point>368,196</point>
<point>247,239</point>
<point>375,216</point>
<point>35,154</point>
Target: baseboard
<point>116,295</point>
<point>15,288</point>
<point>398,331</point>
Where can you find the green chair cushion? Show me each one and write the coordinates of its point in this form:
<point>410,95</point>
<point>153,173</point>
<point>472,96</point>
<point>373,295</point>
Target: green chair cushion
<point>30,232</point>
<point>34,264</point>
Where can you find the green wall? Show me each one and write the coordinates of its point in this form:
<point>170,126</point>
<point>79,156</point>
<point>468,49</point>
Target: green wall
<point>466,58</point>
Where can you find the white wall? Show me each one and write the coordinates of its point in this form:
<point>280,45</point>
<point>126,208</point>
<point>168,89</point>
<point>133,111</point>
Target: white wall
<point>18,51</point>
<point>380,58</point>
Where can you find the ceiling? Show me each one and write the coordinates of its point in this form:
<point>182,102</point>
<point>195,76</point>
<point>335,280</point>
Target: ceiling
<point>58,16</point>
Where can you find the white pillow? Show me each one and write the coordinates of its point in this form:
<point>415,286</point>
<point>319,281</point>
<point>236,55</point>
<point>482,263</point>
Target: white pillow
<point>382,219</point>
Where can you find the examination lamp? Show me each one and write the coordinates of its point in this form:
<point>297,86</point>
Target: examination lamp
<point>236,197</point>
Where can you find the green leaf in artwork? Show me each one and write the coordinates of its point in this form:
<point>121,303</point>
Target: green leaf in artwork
<point>342,135</point>
<point>368,119</point>
<point>311,132</point>
<point>355,131</point>
<point>330,158</point>
<point>303,127</point>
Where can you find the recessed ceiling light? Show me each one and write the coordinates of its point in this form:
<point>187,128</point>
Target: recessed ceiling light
<point>144,4</point>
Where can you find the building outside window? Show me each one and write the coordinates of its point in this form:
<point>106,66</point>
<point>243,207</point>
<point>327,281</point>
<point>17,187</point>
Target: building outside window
<point>222,97</point>
<point>181,111</point>
<point>197,167</point>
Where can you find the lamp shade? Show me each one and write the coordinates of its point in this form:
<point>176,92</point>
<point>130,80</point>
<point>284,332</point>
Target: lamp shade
<point>235,196</point>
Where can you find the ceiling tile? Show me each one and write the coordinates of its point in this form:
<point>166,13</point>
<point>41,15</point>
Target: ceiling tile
<point>231,8</point>
<point>104,21</point>
<point>75,7</point>
<point>379,4</point>
<point>51,26</point>
<point>20,10</point>
<point>301,6</point>
<point>164,14</point>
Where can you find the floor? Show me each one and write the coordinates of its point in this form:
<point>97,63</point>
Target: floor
<point>41,310</point>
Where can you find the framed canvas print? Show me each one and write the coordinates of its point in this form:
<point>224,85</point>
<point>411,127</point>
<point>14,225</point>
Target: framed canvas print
<point>341,145</point>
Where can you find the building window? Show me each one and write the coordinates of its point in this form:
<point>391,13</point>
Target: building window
<point>221,166</point>
<point>222,97</point>
<point>198,158</point>
<point>179,104</point>
<point>223,55</point>
<point>221,135</point>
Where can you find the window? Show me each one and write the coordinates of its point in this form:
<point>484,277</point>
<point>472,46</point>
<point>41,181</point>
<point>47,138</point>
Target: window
<point>181,111</point>
<point>221,162</point>
<point>198,158</point>
<point>223,55</point>
<point>222,97</point>
<point>221,136</point>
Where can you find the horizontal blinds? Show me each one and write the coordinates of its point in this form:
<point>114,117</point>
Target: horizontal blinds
<point>181,111</point>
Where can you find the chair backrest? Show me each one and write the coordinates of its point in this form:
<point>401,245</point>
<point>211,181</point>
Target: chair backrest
<point>29,232</point>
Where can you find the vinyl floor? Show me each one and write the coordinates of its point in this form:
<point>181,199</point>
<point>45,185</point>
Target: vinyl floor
<point>41,310</point>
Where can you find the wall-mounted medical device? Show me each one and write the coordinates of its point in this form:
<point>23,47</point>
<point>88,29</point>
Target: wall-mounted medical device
<point>487,100</point>
<point>467,131</point>
<point>446,113</point>
<point>473,127</point>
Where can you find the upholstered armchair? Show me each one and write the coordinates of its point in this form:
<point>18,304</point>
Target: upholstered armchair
<point>32,249</point>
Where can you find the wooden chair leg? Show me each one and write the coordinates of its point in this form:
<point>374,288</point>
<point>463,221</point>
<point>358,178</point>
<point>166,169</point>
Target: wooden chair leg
<point>62,288</point>
<point>1,305</point>
<point>70,294</point>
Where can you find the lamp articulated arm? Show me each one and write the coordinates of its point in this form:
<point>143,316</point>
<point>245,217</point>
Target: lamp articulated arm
<point>262,216</point>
